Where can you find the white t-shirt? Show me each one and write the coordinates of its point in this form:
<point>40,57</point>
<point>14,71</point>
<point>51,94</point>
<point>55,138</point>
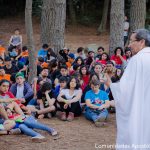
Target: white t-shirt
<point>126,27</point>
<point>68,96</point>
<point>20,90</point>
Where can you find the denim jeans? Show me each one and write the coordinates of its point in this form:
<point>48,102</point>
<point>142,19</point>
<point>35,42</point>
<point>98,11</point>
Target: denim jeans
<point>29,123</point>
<point>92,115</point>
<point>32,102</point>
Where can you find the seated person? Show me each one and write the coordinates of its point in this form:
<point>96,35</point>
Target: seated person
<point>119,57</point>
<point>3,75</point>
<point>15,42</point>
<point>44,75</point>
<point>62,85</point>
<point>37,82</point>
<point>50,55</point>
<point>24,56</point>
<point>43,52</point>
<point>8,100</point>
<point>100,50</point>
<point>1,62</point>
<point>70,61</point>
<point>9,67</point>
<point>2,50</point>
<point>97,102</point>
<point>22,89</point>
<point>68,100</point>
<point>64,53</point>
<point>63,72</point>
<point>80,53</point>
<point>40,61</point>
<point>46,100</point>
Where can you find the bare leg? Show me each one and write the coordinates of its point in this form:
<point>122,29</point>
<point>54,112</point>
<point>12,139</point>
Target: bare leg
<point>9,124</point>
<point>3,112</point>
<point>15,106</point>
<point>46,110</point>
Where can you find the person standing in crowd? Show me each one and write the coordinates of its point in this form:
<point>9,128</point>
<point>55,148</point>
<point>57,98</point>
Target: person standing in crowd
<point>126,29</point>
<point>132,94</point>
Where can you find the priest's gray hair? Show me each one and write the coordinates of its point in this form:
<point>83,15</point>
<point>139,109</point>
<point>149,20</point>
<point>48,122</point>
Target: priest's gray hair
<point>143,34</point>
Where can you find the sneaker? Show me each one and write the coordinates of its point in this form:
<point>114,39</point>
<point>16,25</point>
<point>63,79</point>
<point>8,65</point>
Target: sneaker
<point>100,122</point>
<point>15,131</point>
<point>38,139</point>
<point>70,116</point>
<point>63,116</point>
<point>55,135</point>
<point>49,115</point>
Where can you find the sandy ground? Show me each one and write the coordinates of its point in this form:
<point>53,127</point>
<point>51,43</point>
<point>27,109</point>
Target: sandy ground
<point>74,36</point>
<point>79,134</point>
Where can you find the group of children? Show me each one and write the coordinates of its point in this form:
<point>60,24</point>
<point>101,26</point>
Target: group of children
<point>65,87</point>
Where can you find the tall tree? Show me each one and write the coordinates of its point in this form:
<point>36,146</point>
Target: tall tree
<point>137,14</point>
<point>102,26</point>
<point>31,46</point>
<point>116,25</point>
<point>53,23</point>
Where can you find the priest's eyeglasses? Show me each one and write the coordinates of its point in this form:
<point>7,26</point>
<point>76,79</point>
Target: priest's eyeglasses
<point>132,41</point>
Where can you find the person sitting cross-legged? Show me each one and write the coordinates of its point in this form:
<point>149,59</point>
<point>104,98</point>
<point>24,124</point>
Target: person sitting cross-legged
<point>46,101</point>
<point>97,102</point>
<point>69,100</point>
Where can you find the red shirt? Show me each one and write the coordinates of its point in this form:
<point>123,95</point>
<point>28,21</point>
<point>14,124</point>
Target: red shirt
<point>85,81</point>
<point>10,95</point>
<point>103,62</point>
<point>117,59</point>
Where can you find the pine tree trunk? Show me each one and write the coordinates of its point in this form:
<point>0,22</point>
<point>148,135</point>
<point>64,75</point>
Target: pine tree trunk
<point>116,25</point>
<point>102,26</point>
<point>137,14</point>
<point>31,46</point>
<point>53,23</point>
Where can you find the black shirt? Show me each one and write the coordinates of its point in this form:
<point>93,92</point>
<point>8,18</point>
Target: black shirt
<point>13,69</point>
<point>42,96</point>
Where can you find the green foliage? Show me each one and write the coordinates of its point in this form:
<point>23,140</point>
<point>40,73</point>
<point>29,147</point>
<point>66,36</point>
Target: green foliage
<point>37,7</point>
<point>11,7</point>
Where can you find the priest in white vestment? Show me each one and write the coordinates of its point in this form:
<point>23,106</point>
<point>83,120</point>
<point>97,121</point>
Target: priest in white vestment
<point>132,96</point>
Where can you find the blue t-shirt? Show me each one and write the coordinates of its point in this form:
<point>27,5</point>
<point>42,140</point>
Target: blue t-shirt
<point>42,53</point>
<point>97,99</point>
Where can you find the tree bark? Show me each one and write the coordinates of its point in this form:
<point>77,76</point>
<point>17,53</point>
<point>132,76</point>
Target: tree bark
<point>116,25</point>
<point>53,23</point>
<point>102,26</point>
<point>30,40</point>
<point>137,14</point>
